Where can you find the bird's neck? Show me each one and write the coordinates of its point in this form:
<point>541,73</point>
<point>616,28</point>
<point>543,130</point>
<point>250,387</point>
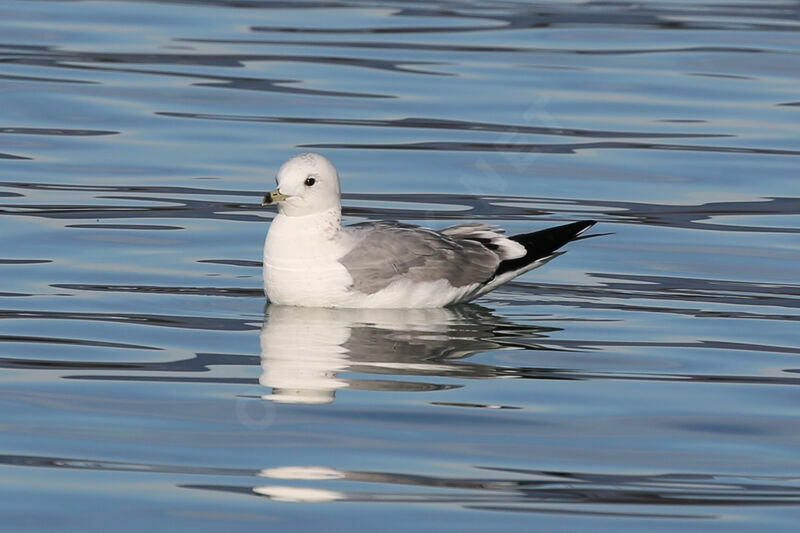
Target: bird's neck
<point>324,225</point>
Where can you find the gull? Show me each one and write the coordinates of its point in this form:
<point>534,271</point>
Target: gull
<point>311,260</point>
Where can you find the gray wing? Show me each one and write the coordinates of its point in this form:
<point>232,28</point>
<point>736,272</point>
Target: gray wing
<point>389,251</point>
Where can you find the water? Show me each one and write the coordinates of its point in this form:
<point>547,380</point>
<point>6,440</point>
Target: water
<point>647,378</point>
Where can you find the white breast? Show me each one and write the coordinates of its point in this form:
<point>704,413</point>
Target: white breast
<point>301,264</point>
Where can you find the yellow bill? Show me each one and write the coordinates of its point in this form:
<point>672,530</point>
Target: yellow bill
<point>273,197</point>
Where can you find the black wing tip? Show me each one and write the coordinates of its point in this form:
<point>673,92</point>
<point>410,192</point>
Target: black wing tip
<point>578,227</point>
<point>543,243</point>
<point>556,236</point>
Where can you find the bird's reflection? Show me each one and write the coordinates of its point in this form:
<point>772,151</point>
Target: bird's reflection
<point>497,487</point>
<point>303,350</point>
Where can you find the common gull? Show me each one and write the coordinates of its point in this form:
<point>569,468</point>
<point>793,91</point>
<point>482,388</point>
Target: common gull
<point>311,260</point>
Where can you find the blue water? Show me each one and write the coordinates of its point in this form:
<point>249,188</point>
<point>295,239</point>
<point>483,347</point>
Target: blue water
<point>648,379</point>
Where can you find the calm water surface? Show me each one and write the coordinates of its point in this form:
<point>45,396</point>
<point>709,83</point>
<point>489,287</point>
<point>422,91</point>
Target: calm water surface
<point>648,379</point>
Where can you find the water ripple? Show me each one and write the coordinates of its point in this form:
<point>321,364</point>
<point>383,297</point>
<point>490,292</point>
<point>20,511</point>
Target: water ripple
<point>469,206</point>
<point>508,489</point>
<point>647,377</point>
<point>443,124</point>
<point>546,148</point>
<point>55,131</point>
<point>170,321</point>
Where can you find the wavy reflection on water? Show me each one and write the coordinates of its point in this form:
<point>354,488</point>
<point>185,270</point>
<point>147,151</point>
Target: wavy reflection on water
<point>180,203</point>
<point>443,124</point>
<point>648,378</point>
<point>517,490</point>
<point>546,148</point>
<point>308,354</point>
<point>304,350</point>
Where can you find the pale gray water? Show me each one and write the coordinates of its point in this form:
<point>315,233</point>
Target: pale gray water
<point>646,380</point>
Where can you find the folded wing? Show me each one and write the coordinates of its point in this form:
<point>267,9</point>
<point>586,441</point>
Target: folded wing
<point>477,255</point>
<point>388,251</point>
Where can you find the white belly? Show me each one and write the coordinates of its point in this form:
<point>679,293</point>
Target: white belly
<point>305,284</point>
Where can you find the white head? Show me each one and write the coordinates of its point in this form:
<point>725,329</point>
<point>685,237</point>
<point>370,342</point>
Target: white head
<point>307,183</point>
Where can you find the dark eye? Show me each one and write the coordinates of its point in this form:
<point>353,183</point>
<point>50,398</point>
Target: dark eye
<point>311,180</point>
